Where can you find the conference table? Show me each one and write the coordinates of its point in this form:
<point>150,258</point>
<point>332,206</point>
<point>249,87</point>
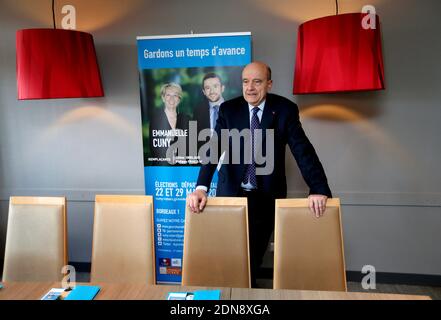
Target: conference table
<point>124,291</point>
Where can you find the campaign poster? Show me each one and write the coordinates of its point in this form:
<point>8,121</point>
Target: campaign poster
<point>183,81</point>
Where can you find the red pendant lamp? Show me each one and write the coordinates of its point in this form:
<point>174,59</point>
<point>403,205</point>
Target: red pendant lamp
<point>56,63</point>
<point>338,54</point>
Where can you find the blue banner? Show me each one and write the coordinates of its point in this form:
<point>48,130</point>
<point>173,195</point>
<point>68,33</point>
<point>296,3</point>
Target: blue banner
<point>194,51</point>
<point>182,79</point>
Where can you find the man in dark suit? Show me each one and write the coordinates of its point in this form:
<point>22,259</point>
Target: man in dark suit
<point>258,109</point>
<point>206,114</point>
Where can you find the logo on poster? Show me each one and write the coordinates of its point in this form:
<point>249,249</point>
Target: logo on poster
<point>176,262</point>
<point>162,270</point>
<point>174,271</point>
<point>164,262</point>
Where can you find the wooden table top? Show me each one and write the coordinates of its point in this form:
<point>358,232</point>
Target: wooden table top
<point>270,294</point>
<point>116,291</point>
<point>108,291</point>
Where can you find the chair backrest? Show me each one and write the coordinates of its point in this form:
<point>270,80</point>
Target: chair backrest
<point>216,249</point>
<point>122,249</point>
<point>36,239</point>
<point>308,251</point>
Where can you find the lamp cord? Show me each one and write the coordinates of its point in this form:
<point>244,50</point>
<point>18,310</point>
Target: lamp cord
<point>53,14</point>
<point>336,7</point>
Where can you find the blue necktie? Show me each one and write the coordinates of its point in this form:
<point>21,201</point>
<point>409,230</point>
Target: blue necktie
<point>251,168</point>
<point>214,116</point>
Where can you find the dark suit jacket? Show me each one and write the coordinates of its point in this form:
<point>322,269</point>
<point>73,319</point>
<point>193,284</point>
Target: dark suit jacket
<point>281,115</point>
<point>202,115</point>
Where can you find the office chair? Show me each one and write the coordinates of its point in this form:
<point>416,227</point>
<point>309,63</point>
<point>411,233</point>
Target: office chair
<point>216,249</point>
<point>123,245</point>
<point>308,251</point>
<point>36,239</point>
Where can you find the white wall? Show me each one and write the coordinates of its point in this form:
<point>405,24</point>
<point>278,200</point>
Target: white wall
<point>380,149</point>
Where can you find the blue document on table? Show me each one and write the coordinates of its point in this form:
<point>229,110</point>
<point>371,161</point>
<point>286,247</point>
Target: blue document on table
<point>83,293</point>
<point>207,295</point>
<point>196,295</point>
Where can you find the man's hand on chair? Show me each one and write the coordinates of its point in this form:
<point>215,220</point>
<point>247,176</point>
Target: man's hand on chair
<point>197,201</point>
<point>317,204</point>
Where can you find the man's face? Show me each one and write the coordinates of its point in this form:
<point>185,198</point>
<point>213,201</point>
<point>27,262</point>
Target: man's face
<point>255,83</point>
<point>213,89</point>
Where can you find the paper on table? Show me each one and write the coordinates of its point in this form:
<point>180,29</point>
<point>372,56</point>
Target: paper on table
<point>180,296</point>
<point>53,294</point>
